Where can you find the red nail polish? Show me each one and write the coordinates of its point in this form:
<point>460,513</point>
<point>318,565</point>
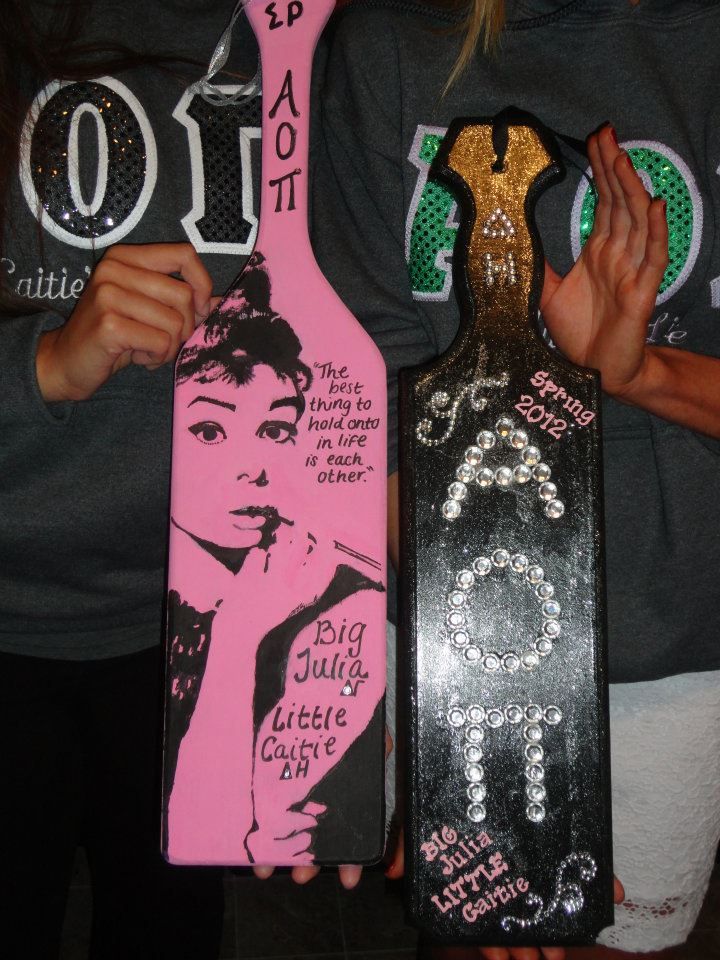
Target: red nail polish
<point>613,134</point>
<point>629,162</point>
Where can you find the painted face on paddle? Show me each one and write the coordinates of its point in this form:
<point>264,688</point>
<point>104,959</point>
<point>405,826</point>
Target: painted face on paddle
<point>236,439</point>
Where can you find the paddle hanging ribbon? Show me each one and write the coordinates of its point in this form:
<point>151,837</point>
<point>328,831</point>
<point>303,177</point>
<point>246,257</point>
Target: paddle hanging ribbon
<point>274,741</point>
<point>508,797</point>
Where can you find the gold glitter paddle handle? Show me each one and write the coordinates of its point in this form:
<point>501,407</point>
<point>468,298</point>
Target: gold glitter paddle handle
<point>498,169</point>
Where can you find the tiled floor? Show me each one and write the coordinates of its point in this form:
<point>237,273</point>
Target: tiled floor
<point>321,921</point>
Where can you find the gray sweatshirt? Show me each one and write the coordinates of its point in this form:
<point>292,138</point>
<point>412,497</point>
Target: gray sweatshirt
<point>384,236</point>
<point>84,486</point>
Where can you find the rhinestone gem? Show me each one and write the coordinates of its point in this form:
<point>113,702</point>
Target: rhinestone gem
<point>491,662</point>
<point>532,732</point>
<point>475,713</point>
<point>473,456</point>
<point>477,791</point>
<point>455,619</point>
<point>451,509</point>
<point>465,473</point>
<point>535,772</point>
<point>501,558</point>
<point>486,440</point>
<point>472,653</point>
<point>544,590</point>
<point>519,562</point>
<point>474,772</point>
<point>554,509</point>
<point>460,638</point>
<point>456,716</point>
<point>551,609</point>
<point>547,490</point>
<point>475,734</point>
<point>495,718</point>
<point>503,476</point>
<point>482,566</point>
<point>485,477</point>
<point>476,812</point>
<point>536,812</point>
<point>572,903</point>
<point>531,456</point>
<point>504,426</point>
<point>440,399</point>
<point>553,714</point>
<point>522,473</point>
<point>457,490</point>
<point>533,712</point>
<point>511,662</point>
<point>551,628</point>
<point>472,753</point>
<point>465,579</point>
<point>543,646</point>
<point>457,598</point>
<point>534,752</point>
<point>518,439</point>
<point>541,472</point>
<point>535,792</point>
<point>535,573</point>
<point>425,426</point>
<point>530,660</point>
<point>513,713</point>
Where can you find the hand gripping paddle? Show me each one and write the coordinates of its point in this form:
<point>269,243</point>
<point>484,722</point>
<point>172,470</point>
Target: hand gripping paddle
<point>276,610</point>
<point>509,834</point>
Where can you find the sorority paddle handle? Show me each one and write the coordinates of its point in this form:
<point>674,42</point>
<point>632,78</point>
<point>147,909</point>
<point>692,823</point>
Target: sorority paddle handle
<point>287,32</point>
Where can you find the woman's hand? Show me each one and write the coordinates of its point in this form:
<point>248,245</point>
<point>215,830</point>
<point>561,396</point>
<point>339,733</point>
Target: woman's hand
<point>396,868</point>
<point>349,874</point>
<point>598,314</point>
<point>131,311</point>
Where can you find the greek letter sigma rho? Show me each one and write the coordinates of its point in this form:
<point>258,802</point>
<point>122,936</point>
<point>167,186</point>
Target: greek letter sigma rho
<point>285,143</point>
<point>294,12</point>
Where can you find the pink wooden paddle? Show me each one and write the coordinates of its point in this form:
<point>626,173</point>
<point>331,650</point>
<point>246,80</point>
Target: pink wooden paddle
<point>276,607</point>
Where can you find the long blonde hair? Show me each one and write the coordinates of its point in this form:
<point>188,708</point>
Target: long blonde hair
<point>483,24</point>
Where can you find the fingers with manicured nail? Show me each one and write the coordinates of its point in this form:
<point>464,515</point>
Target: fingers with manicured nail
<point>350,875</point>
<point>304,874</point>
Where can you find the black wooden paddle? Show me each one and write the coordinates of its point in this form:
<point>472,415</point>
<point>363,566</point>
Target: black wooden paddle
<point>508,837</point>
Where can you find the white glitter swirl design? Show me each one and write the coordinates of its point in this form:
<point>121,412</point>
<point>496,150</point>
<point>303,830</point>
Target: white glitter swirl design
<point>569,895</point>
<point>444,407</point>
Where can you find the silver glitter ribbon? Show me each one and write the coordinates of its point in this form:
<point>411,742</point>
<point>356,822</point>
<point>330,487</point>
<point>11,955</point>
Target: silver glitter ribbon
<point>206,88</point>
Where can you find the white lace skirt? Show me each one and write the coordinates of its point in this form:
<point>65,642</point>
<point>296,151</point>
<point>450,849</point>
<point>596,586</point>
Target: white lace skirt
<point>665,750</point>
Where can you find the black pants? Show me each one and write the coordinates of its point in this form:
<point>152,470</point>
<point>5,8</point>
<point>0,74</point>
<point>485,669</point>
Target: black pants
<point>79,748</point>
